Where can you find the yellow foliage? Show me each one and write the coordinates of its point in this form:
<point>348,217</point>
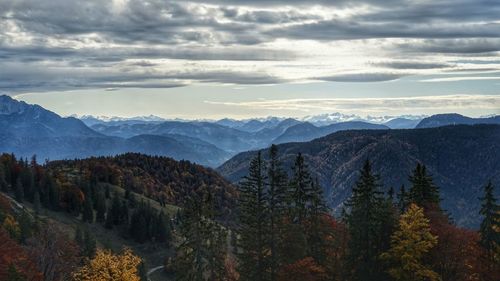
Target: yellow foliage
<point>409,243</point>
<point>12,227</point>
<point>106,266</point>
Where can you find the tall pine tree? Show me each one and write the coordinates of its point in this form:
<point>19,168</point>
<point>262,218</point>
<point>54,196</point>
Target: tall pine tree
<point>490,226</point>
<point>88,211</point>
<point>253,223</point>
<point>100,208</point>
<point>203,250</point>
<point>365,227</point>
<point>300,189</point>
<point>423,191</point>
<point>277,196</point>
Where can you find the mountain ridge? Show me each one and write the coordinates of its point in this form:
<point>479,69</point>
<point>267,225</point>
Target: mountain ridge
<point>462,159</point>
<point>439,120</point>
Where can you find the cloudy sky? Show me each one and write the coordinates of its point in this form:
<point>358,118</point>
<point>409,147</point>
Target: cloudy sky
<point>242,58</point>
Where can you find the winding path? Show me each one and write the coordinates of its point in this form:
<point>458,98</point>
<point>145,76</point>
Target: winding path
<point>153,270</point>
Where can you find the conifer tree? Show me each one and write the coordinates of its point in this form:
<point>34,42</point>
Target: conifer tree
<point>79,236</point>
<point>115,211</point>
<point>390,194</point>
<point>100,208</point>
<point>132,200</point>
<point>3,181</point>
<point>89,243</point>
<point>36,202</point>
<point>402,199</point>
<point>300,189</point>
<point>216,240</point>
<point>423,191</point>
<point>365,227</point>
<point>26,226</point>
<point>53,194</point>
<point>109,221</point>
<point>188,263</point>
<point>409,245</point>
<point>253,223</point>
<point>316,210</point>
<point>19,191</point>
<point>277,196</point>
<point>88,211</point>
<point>163,233</point>
<point>124,213</point>
<point>490,226</point>
<point>203,248</point>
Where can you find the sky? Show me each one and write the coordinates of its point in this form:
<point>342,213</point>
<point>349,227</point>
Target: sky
<point>208,59</point>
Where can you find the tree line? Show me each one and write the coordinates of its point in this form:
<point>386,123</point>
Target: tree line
<point>83,197</point>
<point>285,231</point>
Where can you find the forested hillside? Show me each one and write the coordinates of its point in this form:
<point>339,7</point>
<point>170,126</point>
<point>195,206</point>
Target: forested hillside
<point>161,178</point>
<point>285,231</point>
<point>460,158</point>
<point>82,206</point>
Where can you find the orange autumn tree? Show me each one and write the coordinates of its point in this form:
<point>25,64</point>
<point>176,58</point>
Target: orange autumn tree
<point>14,258</point>
<point>305,269</point>
<point>106,266</point>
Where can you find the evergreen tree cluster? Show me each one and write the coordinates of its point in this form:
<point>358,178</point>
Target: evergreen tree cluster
<point>160,178</point>
<point>202,253</point>
<point>29,182</point>
<point>283,233</point>
<point>82,197</point>
<point>280,218</point>
<point>147,224</point>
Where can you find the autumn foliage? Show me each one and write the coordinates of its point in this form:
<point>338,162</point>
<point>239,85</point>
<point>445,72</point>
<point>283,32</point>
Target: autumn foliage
<point>303,270</point>
<point>12,255</point>
<point>409,245</point>
<point>106,266</point>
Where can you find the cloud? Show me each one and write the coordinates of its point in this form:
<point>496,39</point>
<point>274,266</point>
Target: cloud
<point>349,30</point>
<point>441,103</point>
<point>361,77</point>
<point>460,78</point>
<point>412,65</point>
<point>145,43</point>
<point>455,46</point>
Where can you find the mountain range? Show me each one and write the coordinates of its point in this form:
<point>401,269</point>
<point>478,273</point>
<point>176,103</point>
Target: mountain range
<point>26,130</point>
<point>461,159</point>
<point>30,129</point>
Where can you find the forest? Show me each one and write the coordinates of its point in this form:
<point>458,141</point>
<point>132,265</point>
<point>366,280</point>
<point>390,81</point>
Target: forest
<point>274,225</point>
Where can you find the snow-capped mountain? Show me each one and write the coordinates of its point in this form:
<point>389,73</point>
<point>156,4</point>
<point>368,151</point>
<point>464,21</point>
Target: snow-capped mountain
<point>337,117</point>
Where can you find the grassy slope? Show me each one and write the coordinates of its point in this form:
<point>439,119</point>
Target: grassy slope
<point>153,254</point>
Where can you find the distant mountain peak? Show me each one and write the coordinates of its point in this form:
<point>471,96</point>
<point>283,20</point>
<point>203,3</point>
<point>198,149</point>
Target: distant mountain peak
<point>8,105</point>
<point>337,117</point>
<point>103,118</point>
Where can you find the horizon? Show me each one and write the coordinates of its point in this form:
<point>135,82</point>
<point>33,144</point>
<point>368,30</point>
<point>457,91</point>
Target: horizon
<point>341,117</point>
